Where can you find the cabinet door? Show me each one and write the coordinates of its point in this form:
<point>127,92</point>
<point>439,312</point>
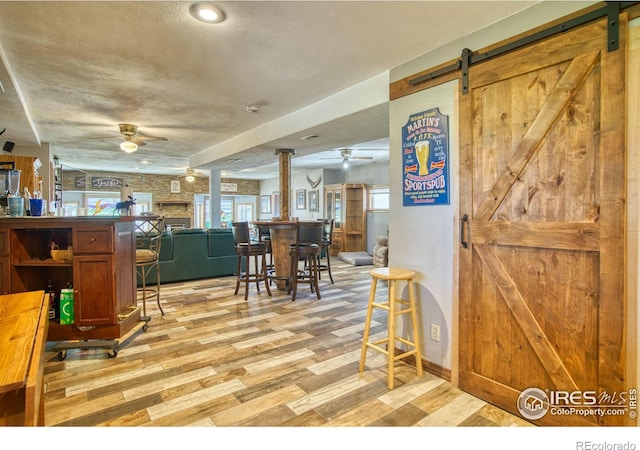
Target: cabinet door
<point>5,275</point>
<point>93,280</point>
<point>5,262</point>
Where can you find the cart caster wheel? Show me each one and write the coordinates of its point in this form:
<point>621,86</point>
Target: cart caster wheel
<point>113,353</point>
<point>145,327</point>
<point>62,355</point>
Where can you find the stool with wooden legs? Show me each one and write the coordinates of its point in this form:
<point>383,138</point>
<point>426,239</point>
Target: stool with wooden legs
<point>247,250</point>
<point>306,248</point>
<point>394,307</point>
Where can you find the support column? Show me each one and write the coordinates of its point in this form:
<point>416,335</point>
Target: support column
<point>284,155</point>
<point>215,197</point>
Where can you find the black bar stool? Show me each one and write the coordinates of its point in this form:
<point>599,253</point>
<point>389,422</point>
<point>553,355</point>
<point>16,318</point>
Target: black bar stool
<point>327,240</point>
<point>246,250</point>
<point>306,248</point>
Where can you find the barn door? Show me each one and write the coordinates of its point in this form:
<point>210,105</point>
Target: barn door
<point>542,275</point>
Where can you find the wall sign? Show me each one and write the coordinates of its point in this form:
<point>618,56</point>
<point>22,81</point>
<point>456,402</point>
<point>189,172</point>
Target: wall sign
<point>80,182</point>
<point>106,183</point>
<point>228,187</point>
<point>425,159</point>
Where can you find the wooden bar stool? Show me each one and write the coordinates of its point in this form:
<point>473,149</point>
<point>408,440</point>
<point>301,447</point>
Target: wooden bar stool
<point>394,306</point>
<point>247,250</point>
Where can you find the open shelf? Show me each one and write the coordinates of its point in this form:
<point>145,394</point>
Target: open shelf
<point>161,204</point>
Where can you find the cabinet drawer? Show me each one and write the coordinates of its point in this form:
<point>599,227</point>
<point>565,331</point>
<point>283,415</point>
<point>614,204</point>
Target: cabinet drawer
<point>93,240</point>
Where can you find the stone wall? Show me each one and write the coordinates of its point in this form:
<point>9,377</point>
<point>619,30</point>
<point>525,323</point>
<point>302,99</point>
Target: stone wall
<point>157,185</point>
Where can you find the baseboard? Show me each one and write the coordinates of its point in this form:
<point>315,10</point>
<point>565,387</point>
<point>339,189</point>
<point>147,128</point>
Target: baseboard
<point>428,366</point>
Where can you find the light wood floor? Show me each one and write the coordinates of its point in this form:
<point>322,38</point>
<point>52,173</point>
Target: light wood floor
<point>216,360</point>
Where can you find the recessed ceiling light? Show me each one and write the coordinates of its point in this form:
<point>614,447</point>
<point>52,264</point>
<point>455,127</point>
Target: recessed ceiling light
<point>207,12</point>
<point>311,136</point>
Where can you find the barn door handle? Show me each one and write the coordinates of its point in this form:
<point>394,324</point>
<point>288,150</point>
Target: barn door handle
<point>465,220</point>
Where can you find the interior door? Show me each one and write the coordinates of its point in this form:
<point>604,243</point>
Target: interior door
<point>542,273</point>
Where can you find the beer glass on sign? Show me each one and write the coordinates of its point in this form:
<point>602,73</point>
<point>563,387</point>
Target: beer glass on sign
<point>422,155</point>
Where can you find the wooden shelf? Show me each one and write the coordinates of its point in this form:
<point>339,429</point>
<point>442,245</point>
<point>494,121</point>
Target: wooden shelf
<point>42,263</point>
<point>173,203</point>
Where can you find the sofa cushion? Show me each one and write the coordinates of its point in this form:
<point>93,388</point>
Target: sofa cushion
<point>188,231</point>
<point>220,242</point>
<point>166,246</point>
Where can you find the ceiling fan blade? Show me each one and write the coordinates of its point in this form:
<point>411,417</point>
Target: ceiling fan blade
<point>361,157</point>
<point>151,138</point>
<point>104,137</point>
<point>139,142</point>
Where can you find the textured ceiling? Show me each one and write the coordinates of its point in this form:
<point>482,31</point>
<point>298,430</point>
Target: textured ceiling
<point>72,71</point>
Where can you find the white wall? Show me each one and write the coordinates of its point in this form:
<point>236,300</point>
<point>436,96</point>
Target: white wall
<point>421,237</point>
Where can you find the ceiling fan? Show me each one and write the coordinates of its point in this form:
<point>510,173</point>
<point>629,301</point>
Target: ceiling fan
<point>191,175</point>
<point>347,156</point>
<point>132,140</point>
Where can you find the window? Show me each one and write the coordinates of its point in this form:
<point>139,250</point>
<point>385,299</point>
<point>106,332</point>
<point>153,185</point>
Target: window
<point>379,198</point>
<point>101,203</point>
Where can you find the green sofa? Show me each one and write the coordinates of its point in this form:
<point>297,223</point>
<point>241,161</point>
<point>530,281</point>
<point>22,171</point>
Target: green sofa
<point>195,253</point>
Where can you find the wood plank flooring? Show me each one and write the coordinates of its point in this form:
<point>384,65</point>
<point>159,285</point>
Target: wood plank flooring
<point>214,359</point>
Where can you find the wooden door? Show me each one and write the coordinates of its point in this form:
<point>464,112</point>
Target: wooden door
<point>542,276</point>
<point>93,284</point>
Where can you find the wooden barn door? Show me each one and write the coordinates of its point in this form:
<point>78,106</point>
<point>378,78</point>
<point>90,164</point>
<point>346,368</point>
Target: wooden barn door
<point>542,185</point>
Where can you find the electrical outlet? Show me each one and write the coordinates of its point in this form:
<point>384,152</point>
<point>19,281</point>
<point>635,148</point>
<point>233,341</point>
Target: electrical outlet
<point>435,332</point>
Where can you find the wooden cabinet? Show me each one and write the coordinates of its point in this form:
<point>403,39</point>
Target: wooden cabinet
<point>101,270</point>
<point>347,204</point>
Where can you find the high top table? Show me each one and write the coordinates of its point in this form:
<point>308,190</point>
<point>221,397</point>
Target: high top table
<point>283,234</point>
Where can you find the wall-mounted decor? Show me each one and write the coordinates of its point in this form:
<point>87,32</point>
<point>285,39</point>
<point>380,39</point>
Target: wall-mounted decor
<point>228,187</point>
<point>314,183</point>
<point>301,199</point>
<point>175,186</point>
<point>265,204</point>
<point>313,201</point>
<point>425,159</point>
<point>106,183</point>
<point>80,182</point>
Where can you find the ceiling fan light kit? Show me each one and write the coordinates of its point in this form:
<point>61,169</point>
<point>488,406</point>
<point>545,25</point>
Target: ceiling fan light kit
<point>128,146</point>
<point>190,178</point>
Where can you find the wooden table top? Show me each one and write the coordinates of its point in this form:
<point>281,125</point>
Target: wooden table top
<point>19,318</point>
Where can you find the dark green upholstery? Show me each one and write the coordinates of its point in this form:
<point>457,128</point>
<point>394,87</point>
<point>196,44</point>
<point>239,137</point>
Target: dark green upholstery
<point>195,253</point>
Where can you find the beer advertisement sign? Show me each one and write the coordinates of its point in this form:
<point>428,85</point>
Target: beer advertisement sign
<point>425,159</point>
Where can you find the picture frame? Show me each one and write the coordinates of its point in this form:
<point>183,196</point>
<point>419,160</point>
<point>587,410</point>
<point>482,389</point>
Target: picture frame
<point>313,201</point>
<point>265,204</point>
<point>301,199</point>
<point>175,186</point>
